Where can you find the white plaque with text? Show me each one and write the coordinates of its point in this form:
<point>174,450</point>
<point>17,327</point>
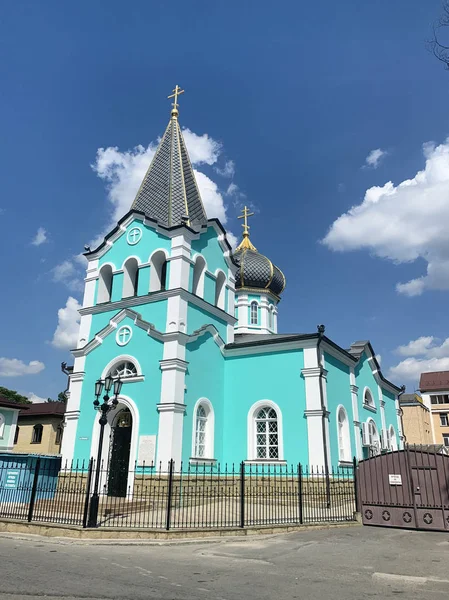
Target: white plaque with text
<point>395,479</point>
<point>147,450</point>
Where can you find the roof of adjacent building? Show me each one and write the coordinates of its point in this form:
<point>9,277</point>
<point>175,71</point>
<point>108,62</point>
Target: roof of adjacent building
<point>169,192</point>
<point>435,381</point>
<point>7,403</point>
<point>412,400</point>
<point>44,408</point>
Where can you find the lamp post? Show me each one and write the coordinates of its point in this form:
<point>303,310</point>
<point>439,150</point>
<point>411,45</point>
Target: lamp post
<point>103,409</point>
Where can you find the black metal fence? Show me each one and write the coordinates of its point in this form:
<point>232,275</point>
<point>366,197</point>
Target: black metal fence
<point>193,496</point>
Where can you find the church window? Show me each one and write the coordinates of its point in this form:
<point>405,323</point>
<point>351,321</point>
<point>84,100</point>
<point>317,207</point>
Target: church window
<point>199,272</point>
<point>392,441</point>
<point>368,399</point>
<point>124,369</point>
<point>254,313</point>
<point>105,284</point>
<point>158,272</point>
<point>344,441</point>
<point>130,278</point>
<point>37,434</point>
<point>203,431</point>
<point>220,290</point>
<point>267,439</point>
<point>374,442</point>
<point>200,432</point>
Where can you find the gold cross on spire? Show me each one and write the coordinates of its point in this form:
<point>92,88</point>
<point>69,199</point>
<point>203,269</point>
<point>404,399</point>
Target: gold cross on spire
<point>176,92</point>
<point>245,243</point>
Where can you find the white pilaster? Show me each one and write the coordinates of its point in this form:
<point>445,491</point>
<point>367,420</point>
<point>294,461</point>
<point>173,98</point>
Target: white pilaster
<point>355,414</point>
<point>382,412</point>
<point>72,413</point>
<point>314,411</point>
<point>399,419</point>
<point>179,263</point>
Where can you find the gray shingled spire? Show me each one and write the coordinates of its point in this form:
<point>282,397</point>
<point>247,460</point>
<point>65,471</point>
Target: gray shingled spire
<point>169,192</point>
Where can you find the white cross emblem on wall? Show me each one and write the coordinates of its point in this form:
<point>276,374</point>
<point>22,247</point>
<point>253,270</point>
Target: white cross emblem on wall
<point>123,335</point>
<point>134,235</point>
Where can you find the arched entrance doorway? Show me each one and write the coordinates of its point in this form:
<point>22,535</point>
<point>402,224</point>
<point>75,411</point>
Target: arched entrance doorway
<point>119,450</point>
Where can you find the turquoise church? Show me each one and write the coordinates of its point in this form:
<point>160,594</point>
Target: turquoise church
<point>191,328</point>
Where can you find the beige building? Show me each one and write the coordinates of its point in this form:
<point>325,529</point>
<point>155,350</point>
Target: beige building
<point>435,394</point>
<point>415,420</point>
<point>39,428</point>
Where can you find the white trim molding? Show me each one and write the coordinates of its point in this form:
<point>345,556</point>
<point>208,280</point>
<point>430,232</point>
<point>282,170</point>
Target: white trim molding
<point>209,431</point>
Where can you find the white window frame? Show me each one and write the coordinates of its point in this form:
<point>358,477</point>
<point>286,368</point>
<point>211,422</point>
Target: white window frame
<point>130,277</point>
<point>444,417</point>
<point>157,260</point>
<point>251,433</point>
<point>210,428</point>
<point>392,439</point>
<point>220,289</point>
<point>343,436</point>
<point>124,358</point>
<point>374,438</point>
<point>199,275</point>
<point>2,425</point>
<point>252,304</point>
<point>369,405</point>
<point>446,440</point>
<point>105,283</point>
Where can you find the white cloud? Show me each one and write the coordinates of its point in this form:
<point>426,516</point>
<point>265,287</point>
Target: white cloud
<point>66,334</point>
<point>68,274</point>
<point>379,358</point>
<point>416,347</point>
<point>405,222</point>
<point>34,398</point>
<point>423,354</point>
<point>374,157</point>
<point>228,170</point>
<point>13,367</point>
<point>40,237</point>
<point>202,149</point>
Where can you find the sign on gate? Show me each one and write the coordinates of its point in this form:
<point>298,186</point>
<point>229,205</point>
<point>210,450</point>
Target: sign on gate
<point>394,479</point>
<point>12,479</point>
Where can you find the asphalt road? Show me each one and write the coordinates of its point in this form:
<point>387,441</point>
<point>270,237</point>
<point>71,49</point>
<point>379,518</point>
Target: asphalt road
<point>345,563</point>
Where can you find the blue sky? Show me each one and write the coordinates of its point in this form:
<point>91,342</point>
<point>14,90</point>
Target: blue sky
<point>284,101</point>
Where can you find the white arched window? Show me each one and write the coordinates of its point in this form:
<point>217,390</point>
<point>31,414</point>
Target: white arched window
<point>267,435</point>
<point>130,278</point>
<point>374,440</point>
<point>254,313</point>
<point>368,398</point>
<point>199,271</point>
<point>203,431</point>
<point>344,440</point>
<point>158,271</point>
<point>124,369</point>
<point>2,426</point>
<point>392,439</point>
<point>220,289</point>
<point>105,284</point>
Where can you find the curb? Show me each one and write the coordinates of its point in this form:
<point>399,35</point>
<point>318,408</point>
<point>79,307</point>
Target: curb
<point>13,529</point>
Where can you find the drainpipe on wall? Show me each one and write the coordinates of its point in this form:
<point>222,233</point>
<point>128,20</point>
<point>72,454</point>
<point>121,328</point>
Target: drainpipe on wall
<point>321,330</point>
<point>401,413</point>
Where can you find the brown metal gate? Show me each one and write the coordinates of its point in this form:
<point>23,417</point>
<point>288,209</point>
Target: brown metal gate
<point>407,488</point>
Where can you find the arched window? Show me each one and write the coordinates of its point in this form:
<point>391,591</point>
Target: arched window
<point>130,278</point>
<point>220,290</point>
<point>271,317</point>
<point>393,440</point>
<point>16,435</point>
<point>374,442</point>
<point>344,440</point>
<point>37,434</point>
<point>203,428</point>
<point>267,438</point>
<point>368,399</point>
<point>124,369</point>
<point>105,284</point>
<point>254,313</point>
<point>199,271</point>
<point>2,426</point>
<point>158,271</point>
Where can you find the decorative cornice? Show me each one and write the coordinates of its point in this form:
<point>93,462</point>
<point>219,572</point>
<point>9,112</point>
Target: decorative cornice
<point>314,372</point>
<point>173,364</point>
<point>316,412</point>
<point>354,388</point>
<point>79,376</point>
<point>174,407</point>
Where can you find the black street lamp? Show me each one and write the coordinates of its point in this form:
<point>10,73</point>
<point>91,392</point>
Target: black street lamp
<point>103,409</point>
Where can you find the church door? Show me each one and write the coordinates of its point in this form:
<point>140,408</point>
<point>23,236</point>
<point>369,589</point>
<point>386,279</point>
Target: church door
<point>119,449</point>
